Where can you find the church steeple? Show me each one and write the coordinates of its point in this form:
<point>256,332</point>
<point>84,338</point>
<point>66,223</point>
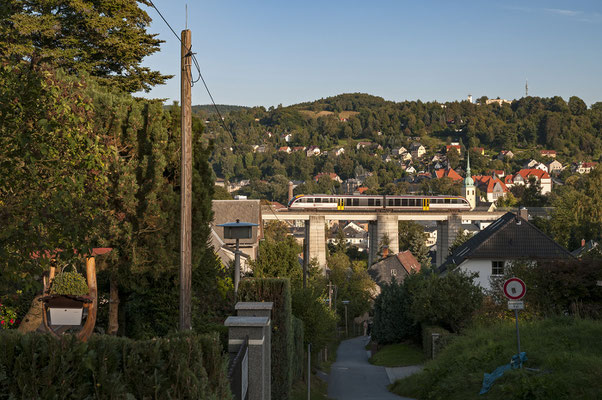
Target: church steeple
<point>468,189</point>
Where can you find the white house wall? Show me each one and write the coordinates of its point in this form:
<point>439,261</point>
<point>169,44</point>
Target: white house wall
<point>482,267</point>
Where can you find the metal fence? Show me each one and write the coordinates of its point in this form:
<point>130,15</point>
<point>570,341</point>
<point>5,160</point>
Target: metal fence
<point>238,372</point>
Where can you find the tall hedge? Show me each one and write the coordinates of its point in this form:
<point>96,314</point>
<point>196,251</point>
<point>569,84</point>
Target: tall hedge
<point>278,291</point>
<point>182,366</point>
<point>298,349</point>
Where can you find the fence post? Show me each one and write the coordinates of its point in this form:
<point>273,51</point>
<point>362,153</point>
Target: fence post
<point>434,340</point>
<point>261,309</point>
<point>253,327</point>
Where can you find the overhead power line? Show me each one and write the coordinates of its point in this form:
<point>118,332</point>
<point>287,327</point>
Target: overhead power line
<point>198,68</point>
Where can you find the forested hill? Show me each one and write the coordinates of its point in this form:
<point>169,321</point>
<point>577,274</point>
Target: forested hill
<point>210,109</point>
<point>255,147</point>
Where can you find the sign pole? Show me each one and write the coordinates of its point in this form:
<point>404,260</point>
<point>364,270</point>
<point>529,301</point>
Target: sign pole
<point>517,332</point>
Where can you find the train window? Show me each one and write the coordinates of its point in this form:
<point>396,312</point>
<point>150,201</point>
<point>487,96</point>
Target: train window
<point>370,202</point>
<point>318,200</point>
<point>391,202</point>
<point>356,202</point>
<point>397,202</point>
<point>411,202</point>
<point>347,202</point>
<point>404,202</point>
<point>447,201</point>
<point>378,202</point>
<point>309,200</point>
<point>455,201</point>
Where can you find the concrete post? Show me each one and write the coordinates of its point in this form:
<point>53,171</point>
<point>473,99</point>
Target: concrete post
<point>446,235</point>
<point>254,327</point>
<point>261,309</point>
<point>317,239</point>
<point>372,245</point>
<point>388,224</point>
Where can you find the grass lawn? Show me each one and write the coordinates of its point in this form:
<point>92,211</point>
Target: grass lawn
<point>566,353</point>
<point>398,355</point>
<point>319,390</point>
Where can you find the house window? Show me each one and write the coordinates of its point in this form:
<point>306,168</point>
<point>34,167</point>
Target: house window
<point>393,272</point>
<point>497,268</point>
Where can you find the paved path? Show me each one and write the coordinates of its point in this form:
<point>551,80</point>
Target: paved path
<point>352,377</point>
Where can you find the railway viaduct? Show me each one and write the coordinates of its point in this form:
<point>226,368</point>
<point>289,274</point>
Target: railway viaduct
<point>381,223</point>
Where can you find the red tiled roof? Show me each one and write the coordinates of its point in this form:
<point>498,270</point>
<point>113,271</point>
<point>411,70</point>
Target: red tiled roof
<point>449,173</point>
<point>547,152</point>
<point>488,182</point>
<point>408,261</point>
<point>332,175</point>
<point>362,189</point>
<point>508,179</point>
<point>538,173</point>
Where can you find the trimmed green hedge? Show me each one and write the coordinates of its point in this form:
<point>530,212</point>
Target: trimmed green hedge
<point>182,366</point>
<point>278,291</point>
<point>299,349</point>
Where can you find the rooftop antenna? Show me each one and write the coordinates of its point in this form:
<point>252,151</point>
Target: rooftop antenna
<point>526,88</point>
<point>186,16</point>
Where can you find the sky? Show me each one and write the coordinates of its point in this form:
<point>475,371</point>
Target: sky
<point>265,53</point>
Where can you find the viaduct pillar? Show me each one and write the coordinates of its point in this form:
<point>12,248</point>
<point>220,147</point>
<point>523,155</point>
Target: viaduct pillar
<point>317,239</point>
<point>446,235</point>
<point>387,224</point>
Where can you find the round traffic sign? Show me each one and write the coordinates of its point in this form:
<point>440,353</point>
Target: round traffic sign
<point>514,288</point>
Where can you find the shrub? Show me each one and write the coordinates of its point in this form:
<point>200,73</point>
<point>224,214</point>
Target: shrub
<point>182,366</point>
<point>70,282</point>
<point>392,321</point>
<point>8,317</point>
<point>319,322</point>
<point>298,349</point>
<point>278,291</point>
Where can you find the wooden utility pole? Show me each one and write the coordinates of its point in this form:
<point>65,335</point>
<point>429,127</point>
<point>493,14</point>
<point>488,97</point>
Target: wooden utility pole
<point>186,186</point>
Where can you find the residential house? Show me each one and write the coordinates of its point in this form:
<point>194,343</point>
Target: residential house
<point>387,158</point>
<point>554,167</point>
<point>410,169</point>
<point>362,145</point>
<point>220,182</point>
<point>448,173</point>
<point>548,153</point>
<point>313,151</point>
<point>288,137</point>
<point>260,149</point>
<point>396,266</point>
<point>491,186</point>
<point>541,166</point>
<point>479,150</point>
<point>225,211</point>
<point>285,149</point>
<point>417,150</point>
<point>431,235</point>
<point>505,154</point>
<point>530,164</point>
<point>510,238</point>
<point>500,173</point>
<point>522,178</point>
<point>234,186</point>
<point>354,234</point>
<point>397,151</point>
<point>299,148</point>
<point>452,147</point>
<point>331,175</point>
<point>339,151</point>
<point>589,247</point>
<point>584,167</point>
<point>350,185</point>
<point>406,157</point>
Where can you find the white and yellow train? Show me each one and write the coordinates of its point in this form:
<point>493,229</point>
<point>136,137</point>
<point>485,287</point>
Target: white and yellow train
<point>373,202</point>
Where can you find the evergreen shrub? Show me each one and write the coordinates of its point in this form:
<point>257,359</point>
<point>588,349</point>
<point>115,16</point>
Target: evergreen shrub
<point>181,366</point>
<point>278,291</point>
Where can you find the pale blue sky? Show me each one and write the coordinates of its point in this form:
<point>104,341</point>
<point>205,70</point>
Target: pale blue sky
<point>270,52</point>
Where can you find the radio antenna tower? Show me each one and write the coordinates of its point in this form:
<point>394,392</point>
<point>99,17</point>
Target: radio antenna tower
<point>526,88</point>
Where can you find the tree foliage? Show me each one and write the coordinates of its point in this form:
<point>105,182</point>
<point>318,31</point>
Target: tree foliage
<point>104,38</point>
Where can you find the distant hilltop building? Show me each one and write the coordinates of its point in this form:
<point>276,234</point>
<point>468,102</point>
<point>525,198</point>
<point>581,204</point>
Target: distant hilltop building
<point>497,101</point>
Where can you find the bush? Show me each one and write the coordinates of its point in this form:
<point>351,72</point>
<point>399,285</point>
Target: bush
<point>278,291</point>
<point>182,366</point>
<point>392,321</point>
<point>70,282</point>
<point>319,322</point>
<point>298,349</point>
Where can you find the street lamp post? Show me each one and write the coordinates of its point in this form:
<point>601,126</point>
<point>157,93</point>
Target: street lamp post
<point>237,230</point>
<point>345,302</point>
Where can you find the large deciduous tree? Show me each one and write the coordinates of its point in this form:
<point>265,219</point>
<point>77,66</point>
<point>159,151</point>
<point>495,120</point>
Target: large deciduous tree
<point>105,38</point>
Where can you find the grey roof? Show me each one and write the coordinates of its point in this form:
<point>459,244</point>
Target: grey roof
<point>225,211</point>
<point>508,238</point>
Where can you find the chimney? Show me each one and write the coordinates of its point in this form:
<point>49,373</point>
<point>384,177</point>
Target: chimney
<point>385,251</point>
<point>523,213</point>
<point>582,242</point>
<point>290,191</point>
